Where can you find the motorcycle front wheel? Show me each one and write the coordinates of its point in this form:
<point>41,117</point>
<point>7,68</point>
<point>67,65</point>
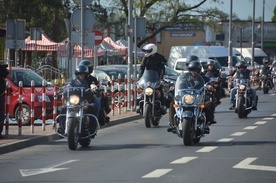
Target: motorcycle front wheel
<point>240,107</point>
<point>266,87</point>
<point>73,138</point>
<point>147,114</point>
<point>187,132</point>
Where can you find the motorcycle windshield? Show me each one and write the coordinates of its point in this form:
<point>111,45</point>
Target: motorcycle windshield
<point>189,80</point>
<point>150,78</point>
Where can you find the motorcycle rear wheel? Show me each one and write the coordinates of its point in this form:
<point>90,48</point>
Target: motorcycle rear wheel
<point>73,137</point>
<point>147,114</point>
<point>84,142</point>
<point>187,132</point>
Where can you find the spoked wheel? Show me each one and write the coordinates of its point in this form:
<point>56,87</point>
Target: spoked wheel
<point>26,114</point>
<point>240,107</point>
<point>187,132</point>
<point>72,134</point>
<point>116,99</point>
<point>148,115</point>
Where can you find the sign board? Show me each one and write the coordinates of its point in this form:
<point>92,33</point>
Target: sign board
<point>15,29</point>
<point>88,19</point>
<point>88,38</point>
<point>140,23</point>
<point>11,43</point>
<point>36,33</point>
<point>98,37</point>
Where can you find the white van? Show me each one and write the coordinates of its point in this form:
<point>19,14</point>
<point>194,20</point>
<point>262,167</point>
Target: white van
<point>218,53</point>
<point>259,54</point>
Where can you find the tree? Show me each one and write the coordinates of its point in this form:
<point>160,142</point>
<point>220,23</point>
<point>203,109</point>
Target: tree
<point>162,14</point>
<point>273,18</point>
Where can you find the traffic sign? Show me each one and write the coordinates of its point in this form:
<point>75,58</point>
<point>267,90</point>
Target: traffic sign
<point>98,37</point>
<point>88,19</point>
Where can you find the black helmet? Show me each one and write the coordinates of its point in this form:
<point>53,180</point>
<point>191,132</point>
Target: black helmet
<point>191,58</point>
<point>210,62</point>
<point>265,61</point>
<point>81,69</point>
<point>195,66</point>
<point>87,63</point>
<point>241,64</point>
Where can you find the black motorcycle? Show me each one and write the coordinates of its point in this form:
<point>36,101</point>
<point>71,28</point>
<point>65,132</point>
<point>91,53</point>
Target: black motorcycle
<point>149,98</point>
<point>213,90</point>
<point>266,82</point>
<point>77,124</point>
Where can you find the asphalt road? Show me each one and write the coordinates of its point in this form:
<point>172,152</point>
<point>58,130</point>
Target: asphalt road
<point>236,150</point>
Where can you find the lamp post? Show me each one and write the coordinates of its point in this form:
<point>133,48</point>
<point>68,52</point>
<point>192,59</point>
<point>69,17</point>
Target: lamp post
<point>230,44</point>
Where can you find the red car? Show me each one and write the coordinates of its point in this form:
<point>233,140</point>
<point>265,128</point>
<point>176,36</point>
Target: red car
<point>26,76</point>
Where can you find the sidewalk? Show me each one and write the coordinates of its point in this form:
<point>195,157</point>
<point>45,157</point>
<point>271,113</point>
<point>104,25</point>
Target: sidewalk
<point>27,138</point>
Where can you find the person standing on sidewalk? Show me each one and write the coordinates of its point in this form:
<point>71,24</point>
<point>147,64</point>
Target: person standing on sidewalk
<point>4,73</point>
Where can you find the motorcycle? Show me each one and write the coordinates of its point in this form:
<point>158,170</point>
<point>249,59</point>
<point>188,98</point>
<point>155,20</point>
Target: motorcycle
<point>149,98</point>
<point>80,125</point>
<point>273,74</point>
<point>266,82</point>
<point>189,121</point>
<point>243,100</point>
<point>212,90</point>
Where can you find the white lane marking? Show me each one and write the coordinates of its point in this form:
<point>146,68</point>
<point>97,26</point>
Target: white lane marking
<point>207,149</point>
<point>260,122</point>
<point>238,134</point>
<point>268,118</point>
<point>157,173</point>
<point>51,168</point>
<point>183,160</point>
<point>250,127</point>
<point>273,115</point>
<point>245,164</point>
<point>225,140</point>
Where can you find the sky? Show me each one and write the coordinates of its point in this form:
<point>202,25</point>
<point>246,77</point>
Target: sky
<point>244,8</point>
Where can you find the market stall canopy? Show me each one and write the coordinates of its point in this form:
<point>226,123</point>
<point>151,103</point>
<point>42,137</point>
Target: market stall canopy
<point>45,44</point>
<point>107,48</point>
<point>125,44</point>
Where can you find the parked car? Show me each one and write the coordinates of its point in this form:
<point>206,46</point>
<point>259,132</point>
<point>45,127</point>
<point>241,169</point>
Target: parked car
<point>26,76</point>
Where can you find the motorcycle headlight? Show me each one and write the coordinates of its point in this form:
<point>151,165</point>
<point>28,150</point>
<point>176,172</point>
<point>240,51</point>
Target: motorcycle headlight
<point>242,87</point>
<point>188,99</point>
<point>148,91</point>
<point>74,100</point>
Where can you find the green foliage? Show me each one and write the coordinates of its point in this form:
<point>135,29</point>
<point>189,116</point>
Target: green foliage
<point>273,19</point>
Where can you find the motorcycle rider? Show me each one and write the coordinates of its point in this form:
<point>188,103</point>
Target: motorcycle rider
<point>78,80</point>
<point>93,80</point>
<point>211,71</point>
<point>153,61</point>
<point>195,67</point>
<point>242,72</point>
<point>265,70</point>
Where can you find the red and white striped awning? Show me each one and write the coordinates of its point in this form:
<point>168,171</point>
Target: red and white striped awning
<point>45,44</point>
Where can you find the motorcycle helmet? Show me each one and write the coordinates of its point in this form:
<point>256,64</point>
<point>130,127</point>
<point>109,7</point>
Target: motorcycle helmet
<point>265,61</point>
<point>191,58</point>
<point>195,66</point>
<point>241,64</point>
<point>81,69</point>
<point>88,63</point>
<point>210,62</point>
<point>149,49</point>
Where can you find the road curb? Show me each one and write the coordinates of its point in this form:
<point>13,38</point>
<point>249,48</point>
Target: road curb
<point>32,141</point>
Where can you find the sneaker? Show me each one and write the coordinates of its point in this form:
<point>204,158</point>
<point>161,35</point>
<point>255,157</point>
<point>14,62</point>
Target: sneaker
<point>232,108</point>
<point>254,108</point>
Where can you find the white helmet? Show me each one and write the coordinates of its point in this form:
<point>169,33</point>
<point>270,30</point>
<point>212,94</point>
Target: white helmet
<point>149,49</point>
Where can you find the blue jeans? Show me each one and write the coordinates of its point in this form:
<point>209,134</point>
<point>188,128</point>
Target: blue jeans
<point>253,96</point>
<point>97,102</point>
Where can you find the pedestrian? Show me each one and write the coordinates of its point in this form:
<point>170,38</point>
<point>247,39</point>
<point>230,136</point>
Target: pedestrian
<point>4,73</point>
